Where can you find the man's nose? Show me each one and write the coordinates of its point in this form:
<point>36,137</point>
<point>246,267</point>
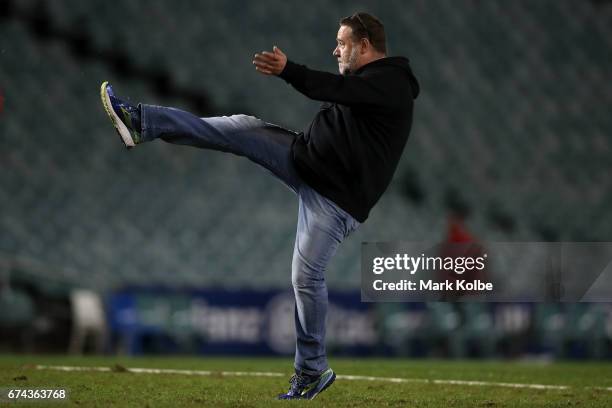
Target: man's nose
<point>335,53</point>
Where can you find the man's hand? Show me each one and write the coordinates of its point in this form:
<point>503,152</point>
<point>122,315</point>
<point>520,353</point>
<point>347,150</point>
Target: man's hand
<point>270,63</point>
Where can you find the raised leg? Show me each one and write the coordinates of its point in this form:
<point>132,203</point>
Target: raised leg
<point>263,143</point>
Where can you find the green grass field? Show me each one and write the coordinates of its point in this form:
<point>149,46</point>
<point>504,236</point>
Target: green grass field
<point>586,382</point>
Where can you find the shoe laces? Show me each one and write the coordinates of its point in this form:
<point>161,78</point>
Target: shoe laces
<point>130,113</point>
<point>298,383</point>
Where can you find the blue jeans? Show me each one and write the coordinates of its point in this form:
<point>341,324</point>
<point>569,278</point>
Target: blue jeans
<point>321,226</point>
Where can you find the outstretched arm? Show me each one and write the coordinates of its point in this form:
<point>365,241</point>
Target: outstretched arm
<point>372,89</point>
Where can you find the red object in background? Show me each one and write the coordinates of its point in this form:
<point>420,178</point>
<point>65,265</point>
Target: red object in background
<point>460,243</point>
<point>457,231</point>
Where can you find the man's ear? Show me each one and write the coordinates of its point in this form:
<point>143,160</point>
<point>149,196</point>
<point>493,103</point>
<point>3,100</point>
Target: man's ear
<point>365,45</point>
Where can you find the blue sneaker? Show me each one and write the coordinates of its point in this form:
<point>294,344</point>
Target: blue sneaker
<point>125,117</point>
<point>307,387</point>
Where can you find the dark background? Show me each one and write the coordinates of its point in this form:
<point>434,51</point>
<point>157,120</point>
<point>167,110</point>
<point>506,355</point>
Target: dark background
<point>511,139</point>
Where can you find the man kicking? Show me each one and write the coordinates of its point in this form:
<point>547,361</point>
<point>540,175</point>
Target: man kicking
<point>338,167</point>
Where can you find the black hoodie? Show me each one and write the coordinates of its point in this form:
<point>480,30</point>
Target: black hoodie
<point>353,145</point>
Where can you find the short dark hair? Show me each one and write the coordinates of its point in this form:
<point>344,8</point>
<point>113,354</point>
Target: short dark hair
<point>365,25</point>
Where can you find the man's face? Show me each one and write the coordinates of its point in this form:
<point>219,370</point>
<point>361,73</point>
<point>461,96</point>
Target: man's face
<point>347,52</point>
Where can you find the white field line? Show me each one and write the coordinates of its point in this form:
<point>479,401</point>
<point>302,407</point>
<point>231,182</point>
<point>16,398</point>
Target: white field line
<point>340,377</point>
<point>164,371</point>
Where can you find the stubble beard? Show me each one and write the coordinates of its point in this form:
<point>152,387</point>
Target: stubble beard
<point>348,67</point>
